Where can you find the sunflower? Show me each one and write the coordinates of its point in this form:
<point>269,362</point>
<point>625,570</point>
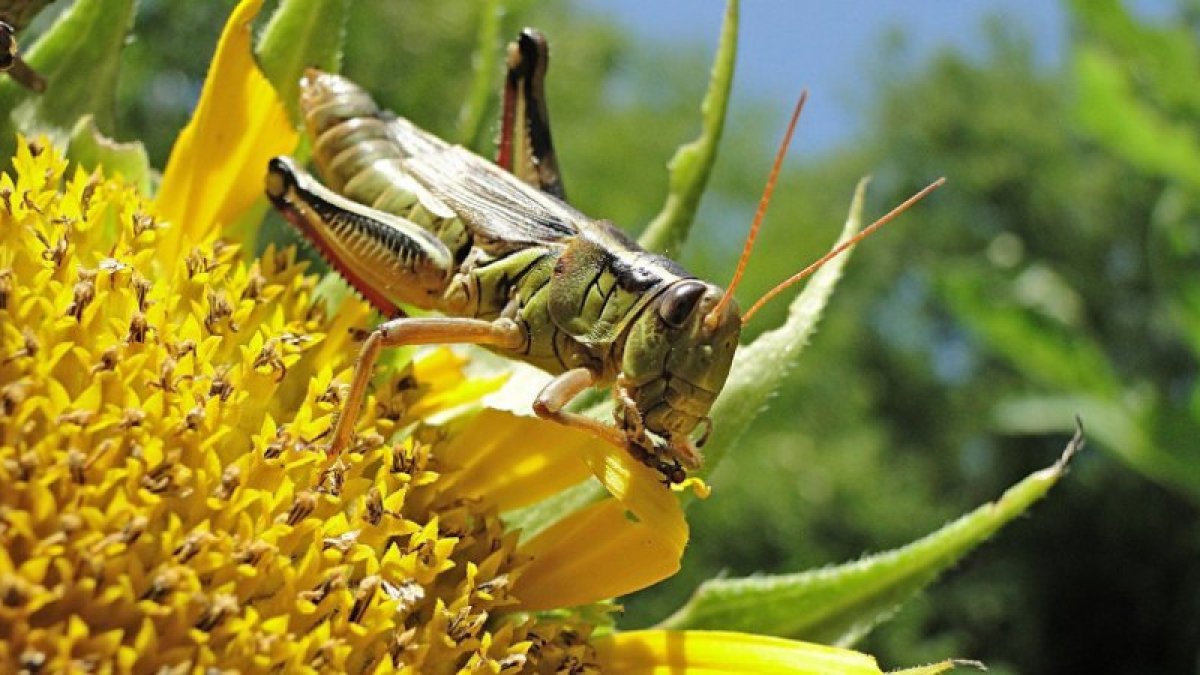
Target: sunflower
<point>165,503</point>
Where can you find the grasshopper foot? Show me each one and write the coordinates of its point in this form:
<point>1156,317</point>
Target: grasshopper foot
<point>658,459</point>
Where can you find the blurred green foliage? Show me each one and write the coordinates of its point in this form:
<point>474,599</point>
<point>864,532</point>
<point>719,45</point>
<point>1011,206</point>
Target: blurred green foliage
<point>1055,274</point>
<point>1066,255</point>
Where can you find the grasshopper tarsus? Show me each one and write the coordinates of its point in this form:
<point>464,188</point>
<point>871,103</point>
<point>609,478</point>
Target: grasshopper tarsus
<point>671,470</point>
<point>27,76</point>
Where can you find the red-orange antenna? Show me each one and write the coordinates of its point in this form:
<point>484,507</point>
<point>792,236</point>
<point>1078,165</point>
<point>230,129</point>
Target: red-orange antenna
<point>904,206</point>
<point>710,321</point>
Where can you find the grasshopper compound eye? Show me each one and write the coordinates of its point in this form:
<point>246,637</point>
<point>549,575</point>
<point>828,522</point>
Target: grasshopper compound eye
<point>679,302</point>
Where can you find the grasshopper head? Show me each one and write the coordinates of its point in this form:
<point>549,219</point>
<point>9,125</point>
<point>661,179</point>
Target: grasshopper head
<point>677,357</point>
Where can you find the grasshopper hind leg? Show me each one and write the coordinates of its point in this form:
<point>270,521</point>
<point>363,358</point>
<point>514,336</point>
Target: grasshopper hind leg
<point>386,258</point>
<point>526,148</point>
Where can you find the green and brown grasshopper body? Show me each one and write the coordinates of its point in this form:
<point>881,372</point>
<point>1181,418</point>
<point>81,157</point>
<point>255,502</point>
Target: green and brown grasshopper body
<point>410,219</point>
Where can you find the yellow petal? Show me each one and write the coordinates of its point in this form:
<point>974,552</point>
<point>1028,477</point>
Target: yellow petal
<point>217,166</point>
<point>698,652</point>
<point>605,550</point>
<point>598,552</point>
<point>512,461</point>
<point>641,491</point>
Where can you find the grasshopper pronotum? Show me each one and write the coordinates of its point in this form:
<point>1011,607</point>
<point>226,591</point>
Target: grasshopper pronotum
<point>495,247</point>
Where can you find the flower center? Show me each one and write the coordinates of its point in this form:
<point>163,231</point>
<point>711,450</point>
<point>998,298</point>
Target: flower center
<point>167,500</point>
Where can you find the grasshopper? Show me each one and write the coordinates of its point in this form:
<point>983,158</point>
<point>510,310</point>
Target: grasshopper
<point>409,219</point>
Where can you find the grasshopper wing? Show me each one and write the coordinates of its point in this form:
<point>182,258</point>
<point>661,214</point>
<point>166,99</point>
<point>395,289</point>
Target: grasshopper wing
<point>502,211</point>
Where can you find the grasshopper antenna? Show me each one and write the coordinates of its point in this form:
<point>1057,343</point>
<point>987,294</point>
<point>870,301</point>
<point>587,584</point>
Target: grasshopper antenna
<point>904,206</point>
<point>714,316</point>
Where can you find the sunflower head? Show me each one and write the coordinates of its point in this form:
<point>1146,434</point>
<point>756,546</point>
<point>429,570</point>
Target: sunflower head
<point>167,499</point>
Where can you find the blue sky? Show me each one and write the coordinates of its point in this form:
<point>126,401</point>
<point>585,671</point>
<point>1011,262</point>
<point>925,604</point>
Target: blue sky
<point>827,47</point>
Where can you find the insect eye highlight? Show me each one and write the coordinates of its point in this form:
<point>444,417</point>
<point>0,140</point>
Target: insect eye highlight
<point>679,302</point>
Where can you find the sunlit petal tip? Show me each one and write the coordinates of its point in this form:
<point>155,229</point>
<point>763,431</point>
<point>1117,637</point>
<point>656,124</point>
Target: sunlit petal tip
<point>598,552</point>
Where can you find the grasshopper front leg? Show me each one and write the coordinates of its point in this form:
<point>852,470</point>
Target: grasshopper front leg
<point>554,398</point>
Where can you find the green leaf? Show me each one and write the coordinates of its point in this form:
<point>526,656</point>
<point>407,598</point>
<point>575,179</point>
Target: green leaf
<point>90,149</point>
<point>1040,344</point>
<point>485,64</point>
<point>1162,56</point>
<point>1109,110</point>
<point>301,34</point>
<point>949,665</point>
<point>690,167</point>
<point>79,57</point>
<point>760,367</point>
<point>838,605</point>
